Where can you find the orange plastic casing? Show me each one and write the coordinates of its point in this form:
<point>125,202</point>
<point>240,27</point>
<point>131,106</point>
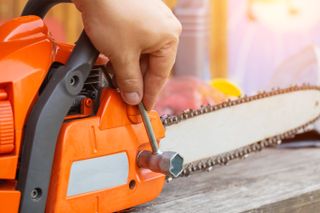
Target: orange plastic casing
<point>26,53</point>
<point>117,128</point>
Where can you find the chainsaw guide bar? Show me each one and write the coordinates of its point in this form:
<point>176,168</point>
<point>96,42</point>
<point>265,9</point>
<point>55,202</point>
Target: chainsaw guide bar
<point>298,99</point>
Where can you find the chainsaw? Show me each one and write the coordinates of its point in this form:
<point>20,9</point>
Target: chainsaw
<point>68,143</point>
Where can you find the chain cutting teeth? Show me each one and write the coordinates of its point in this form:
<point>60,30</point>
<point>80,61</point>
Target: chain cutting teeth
<point>223,159</point>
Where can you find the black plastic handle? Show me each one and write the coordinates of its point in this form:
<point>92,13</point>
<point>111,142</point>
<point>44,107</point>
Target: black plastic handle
<point>40,7</point>
<point>47,116</point>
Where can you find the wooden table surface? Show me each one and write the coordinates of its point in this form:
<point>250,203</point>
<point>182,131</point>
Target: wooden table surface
<point>274,180</point>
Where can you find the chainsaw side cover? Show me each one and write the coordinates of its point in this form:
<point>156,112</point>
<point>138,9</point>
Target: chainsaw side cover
<point>95,161</point>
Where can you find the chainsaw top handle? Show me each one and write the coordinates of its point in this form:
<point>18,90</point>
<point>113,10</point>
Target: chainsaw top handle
<point>40,7</point>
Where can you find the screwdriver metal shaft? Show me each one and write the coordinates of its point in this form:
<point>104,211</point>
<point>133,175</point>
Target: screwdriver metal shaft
<point>149,129</point>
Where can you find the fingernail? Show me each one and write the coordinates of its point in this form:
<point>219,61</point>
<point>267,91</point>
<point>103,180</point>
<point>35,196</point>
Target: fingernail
<point>131,98</point>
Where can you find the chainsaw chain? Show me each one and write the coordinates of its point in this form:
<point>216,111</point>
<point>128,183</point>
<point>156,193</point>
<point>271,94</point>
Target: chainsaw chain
<point>209,163</point>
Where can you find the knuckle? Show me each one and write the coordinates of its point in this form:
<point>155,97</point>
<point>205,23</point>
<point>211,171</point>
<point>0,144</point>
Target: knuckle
<point>128,83</point>
<point>178,26</point>
<point>175,27</point>
<point>161,77</point>
<point>174,35</point>
<point>123,59</point>
<point>174,39</point>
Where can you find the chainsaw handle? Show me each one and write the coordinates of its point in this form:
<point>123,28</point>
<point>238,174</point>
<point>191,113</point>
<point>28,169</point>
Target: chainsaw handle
<point>40,7</point>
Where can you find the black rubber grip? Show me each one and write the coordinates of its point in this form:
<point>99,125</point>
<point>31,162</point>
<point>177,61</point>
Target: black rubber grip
<point>40,7</point>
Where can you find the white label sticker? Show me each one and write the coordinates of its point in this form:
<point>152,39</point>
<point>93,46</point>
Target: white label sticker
<point>98,173</point>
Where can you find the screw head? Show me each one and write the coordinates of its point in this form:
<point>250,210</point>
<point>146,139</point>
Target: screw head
<point>36,194</point>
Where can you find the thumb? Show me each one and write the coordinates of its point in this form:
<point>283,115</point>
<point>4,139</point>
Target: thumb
<point>129,78</point>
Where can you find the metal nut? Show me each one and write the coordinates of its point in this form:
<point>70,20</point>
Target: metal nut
<point>168,163</point>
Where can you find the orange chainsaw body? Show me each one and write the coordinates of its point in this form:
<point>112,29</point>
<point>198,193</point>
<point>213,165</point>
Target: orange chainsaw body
<point>27,52</point>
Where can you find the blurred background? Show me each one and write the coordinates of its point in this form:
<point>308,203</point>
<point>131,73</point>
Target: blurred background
<point>248,42</point>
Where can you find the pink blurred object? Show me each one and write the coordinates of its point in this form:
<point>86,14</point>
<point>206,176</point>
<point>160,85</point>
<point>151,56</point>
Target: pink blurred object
<point>301,67</point>
<point>193,52</point>
<point>56,29</point>
<point>181,93</point>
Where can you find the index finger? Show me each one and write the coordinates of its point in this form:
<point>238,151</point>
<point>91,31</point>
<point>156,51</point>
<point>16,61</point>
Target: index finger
<point>159,68</point>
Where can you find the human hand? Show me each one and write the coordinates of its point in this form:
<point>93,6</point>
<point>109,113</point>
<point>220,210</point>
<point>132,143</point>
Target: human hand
<point>140,37</point>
